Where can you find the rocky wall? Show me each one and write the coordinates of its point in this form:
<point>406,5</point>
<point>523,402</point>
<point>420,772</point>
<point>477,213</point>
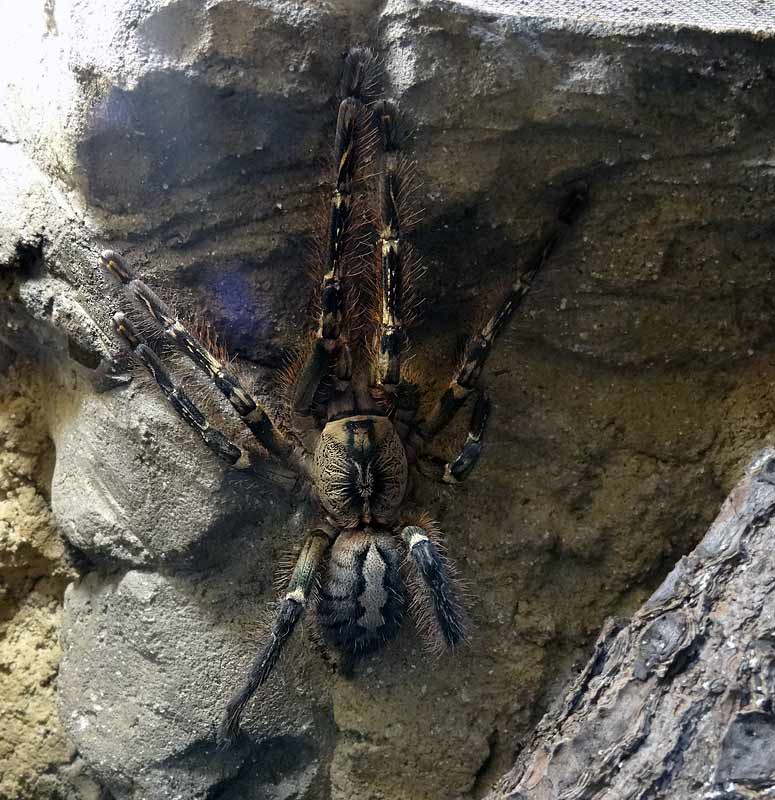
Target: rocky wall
<point>37,760</point>
<point>627,396</point>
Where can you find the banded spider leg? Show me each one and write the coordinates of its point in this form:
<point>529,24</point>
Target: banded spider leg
<point>352,145</point>
<point>436,603</point>
<point>465,379</point>
<point>290,608</point>
<point>252,415</point>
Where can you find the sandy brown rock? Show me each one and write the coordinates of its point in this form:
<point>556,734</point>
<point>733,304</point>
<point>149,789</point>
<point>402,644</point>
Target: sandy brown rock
<point>34,752</point>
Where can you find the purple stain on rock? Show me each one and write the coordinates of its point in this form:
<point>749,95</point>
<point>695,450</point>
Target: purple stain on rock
<point>237,307</point>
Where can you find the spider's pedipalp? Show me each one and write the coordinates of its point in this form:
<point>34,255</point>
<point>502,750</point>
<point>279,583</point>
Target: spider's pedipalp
<point>436,605</point>
<point>289,610</point>
<point>173,391</point>
<point>478,350</point>
<point>254,417</point>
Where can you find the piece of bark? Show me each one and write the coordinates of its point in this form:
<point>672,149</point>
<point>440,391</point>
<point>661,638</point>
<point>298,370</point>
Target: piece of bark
<point>677,703</point>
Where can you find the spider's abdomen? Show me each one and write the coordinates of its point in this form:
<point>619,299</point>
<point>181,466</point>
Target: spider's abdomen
<point>362,600</point>
<point>360,471</point>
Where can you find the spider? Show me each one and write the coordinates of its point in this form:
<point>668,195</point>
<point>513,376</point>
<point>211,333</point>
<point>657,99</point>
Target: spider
<point>353,427</point>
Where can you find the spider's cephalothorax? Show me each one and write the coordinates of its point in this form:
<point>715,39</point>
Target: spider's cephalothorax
<point>360,471</point>
<point>351,426</point>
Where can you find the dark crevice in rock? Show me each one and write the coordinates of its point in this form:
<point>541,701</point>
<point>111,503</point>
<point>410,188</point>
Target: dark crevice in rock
<point>29,259</point>
<point>483,776</point>
<point>268,763</point>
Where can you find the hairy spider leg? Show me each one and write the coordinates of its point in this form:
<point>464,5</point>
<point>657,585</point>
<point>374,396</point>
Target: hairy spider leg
<point>466,377</point>
<point>433,588</point>
<point>400,396</point>
<point>176,395</point>
<point>330,348</point>
<point>254,417</point>
<point>391,339</point>
<point>463,464</point>
<point>289,609</point>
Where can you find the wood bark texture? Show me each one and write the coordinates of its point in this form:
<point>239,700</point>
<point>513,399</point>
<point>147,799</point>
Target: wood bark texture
<point>677,703</point>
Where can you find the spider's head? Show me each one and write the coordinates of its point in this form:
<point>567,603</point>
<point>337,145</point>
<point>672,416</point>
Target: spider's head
<point>361,436</point>
<point>360,470</point>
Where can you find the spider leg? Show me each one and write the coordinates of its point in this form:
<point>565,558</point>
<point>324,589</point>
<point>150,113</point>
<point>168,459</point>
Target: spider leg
<point>289,610</point>
<point>172,390</point>
<point>436,605</point>
<point>391,338</point>
<point>331,349</point>
<point>250,412</point>
<point>463,464</point>
<point>405,404</point>
<point>478,350</point>
<point>396,266</point>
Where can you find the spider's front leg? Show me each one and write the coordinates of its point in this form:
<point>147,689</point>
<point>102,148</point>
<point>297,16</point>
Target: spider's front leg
<point>466,377</point>
<point>289,610</point>
<point>395,272</point>
<point>459,468</point>
<point>436,606</point>
<point>391,247</point>
<point>351,146</point>
<point>254,417</point>
<point>174,392</point>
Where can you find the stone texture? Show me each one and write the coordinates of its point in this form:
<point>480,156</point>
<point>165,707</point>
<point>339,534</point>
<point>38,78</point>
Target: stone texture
<point>36,759</point>
<point>111,437</point>
<point>626,398</point>
<point>147,660</point>
<point>709,15</point>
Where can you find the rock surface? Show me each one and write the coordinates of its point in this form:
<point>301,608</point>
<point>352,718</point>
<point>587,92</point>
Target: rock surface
<point>37,761</point>
<point>678,702</point>
<point>626,398</point>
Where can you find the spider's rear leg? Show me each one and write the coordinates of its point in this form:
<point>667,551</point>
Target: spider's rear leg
<point>250,412</point>
<point>289,610</point>
<point>467,375</point>
<point>352,145</point>
<point>436,605</point>
<point>176,395</point>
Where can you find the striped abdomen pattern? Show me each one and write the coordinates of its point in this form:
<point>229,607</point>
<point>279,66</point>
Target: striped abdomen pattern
<point>362,598</point>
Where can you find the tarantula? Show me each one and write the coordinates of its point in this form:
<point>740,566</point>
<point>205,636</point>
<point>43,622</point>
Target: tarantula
<point>353,427</point>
